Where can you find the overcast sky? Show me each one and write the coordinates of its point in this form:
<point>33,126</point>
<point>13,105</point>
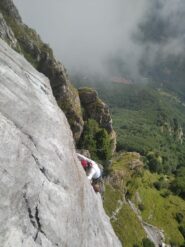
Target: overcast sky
<point>85,33</point>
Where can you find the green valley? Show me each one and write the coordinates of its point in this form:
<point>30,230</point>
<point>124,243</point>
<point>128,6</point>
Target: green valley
<point>147,120</point>
<point>158,207</point>
<point>148,169</point>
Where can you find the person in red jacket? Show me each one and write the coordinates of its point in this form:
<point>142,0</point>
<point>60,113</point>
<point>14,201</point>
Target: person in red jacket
<point>92,170</point>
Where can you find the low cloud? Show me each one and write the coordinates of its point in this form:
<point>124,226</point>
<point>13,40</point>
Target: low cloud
<point>96,36</point>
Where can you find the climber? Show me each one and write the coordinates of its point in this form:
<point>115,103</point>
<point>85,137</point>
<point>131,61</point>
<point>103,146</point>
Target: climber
<point>93,172</point>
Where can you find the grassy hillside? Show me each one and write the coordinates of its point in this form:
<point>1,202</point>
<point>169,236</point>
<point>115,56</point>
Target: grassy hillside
<point>158,207</point>
<point>154,124</point>
<point>125,223</point>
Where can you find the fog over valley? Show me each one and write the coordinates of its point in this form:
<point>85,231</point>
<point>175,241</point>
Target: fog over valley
<point>108,37</point>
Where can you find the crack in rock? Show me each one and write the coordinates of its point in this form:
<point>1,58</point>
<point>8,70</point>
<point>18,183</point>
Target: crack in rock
<point>34,218</point>
<point>29,211</point>
<point>39,226</point>
<point>45,171</point>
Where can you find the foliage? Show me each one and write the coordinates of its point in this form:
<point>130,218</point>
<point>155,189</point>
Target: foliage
<point>178,184</point>
<point>179,217</point>
<point>88,139</point>
<point>162,183</point>
<point>165,193</point>
<point>111,198</point>
<point>154,162</point>
<point>146,120</point>
<point>158,210</point>
<point>182,230</point>
<point>127,226</point>
<point>141,206</point>
<point>96,140</point>
<point>103,145</point>
<point>147,243</point>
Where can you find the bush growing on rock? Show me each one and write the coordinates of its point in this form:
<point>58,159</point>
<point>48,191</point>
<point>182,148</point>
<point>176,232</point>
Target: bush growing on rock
<point>147,243</point>
<point>182,230</point>
<point>179,217</point>
<point>96,140</point>
<point>154,162</point>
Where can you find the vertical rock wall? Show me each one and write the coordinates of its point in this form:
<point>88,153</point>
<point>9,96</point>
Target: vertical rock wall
<point>45,198</point>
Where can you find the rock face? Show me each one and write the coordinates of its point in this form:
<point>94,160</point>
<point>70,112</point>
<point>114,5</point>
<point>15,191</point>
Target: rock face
<point>41,56</point>
<point>9,7</point>
<point>6,33</point>
<point>96,109</point>
<point>45,198</point>
<point>65,94</point>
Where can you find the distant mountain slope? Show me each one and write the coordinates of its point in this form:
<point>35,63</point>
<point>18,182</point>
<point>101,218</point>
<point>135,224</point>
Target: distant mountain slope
<point>146,119</point>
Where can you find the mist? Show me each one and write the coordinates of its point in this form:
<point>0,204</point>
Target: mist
<point>107,36</point>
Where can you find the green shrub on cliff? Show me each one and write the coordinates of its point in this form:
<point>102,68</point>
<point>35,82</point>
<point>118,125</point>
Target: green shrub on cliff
<point>178,185</point>
<point>103,144</point>
<point>147,243</point>
<point>87,139</point>
<point>96,140</point>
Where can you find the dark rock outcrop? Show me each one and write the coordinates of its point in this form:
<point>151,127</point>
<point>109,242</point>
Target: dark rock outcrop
<point>66,95</point>
<point>96,109</point>
<point>45,197</point>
